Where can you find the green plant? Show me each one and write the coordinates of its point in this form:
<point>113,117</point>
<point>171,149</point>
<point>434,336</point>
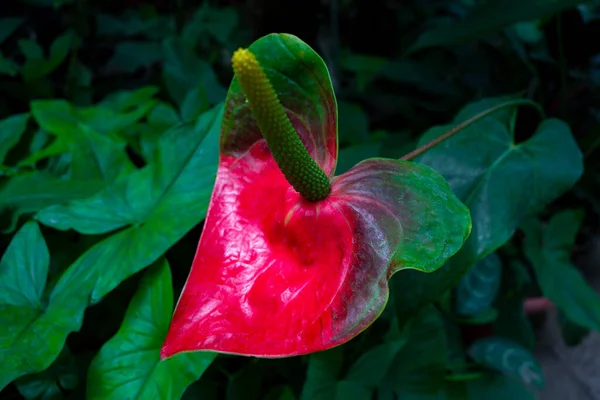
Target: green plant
<point>109,146</point>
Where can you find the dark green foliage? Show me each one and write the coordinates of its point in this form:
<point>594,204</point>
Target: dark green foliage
<point>109,126</point>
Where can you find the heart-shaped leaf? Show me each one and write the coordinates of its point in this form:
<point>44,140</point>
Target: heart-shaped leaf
<point>180,191</point>
<point>50,383</point>
<point>23,272</point>
<point>11,129</point>
<point>32,191</point>
<point>509,358</point>
<point>501,181</point>
<point>36,66</point>
<point>322,381</point>
<point>549,250</point>
<point>478,288</point>
<point>128,366</point>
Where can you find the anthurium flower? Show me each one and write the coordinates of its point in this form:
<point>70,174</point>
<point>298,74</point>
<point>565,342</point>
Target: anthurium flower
<point>293,259</point>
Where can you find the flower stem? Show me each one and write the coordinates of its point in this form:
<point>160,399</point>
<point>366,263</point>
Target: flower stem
<point>292,158</point>
<point>427,146</point>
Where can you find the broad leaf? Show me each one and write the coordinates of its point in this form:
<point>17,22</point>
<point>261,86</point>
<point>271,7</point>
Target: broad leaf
<point>128,366</point>
<point>323,383</point>
<point>478,288</point>
<point>210,21</point>
<point>23,272</point>
<point>128,56</point>
<point>134,199</point>
<point>512,322</point>
<point>571,333</point>
<point>49,384</point>
<point>489,17</point>
<point>135,23</point>
<point>110,117</point>
<point>383,356</point>
<point>33,191</point>
<point>510,358</point>
<point>11,129</point>
<point>246,383</point>
<point>36,65</point>
<point>502,182</point>
<point>8,26</point>
<point>549,250</point>
<point>8,66</point>
<point>322,374</point>
<point>184,71</point>
<point>420,365</point>
<point>180,193</point>
<point>494,386</point>
<point>96,151</point>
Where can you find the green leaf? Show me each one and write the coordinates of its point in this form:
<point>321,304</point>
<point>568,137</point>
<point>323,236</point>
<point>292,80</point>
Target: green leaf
<point>322,379</point>
<point>23,272</point>
<point>110,117</point>
<point>478,288</point>
<point>36,65</point>
<point>136,23</point>
<point>184,71</point>
<point>350,156</point>
<point>382,356</point>
<point>128,57</point>
<point>494,386</point>
<point>195,103</point>
<point>365,67</point>
<point>322,373</point>
<point>246,383</point>
<point>181,191</point>
<point>420,365</point>
<point>23,269</point>
<point>128,366</point>
<point>549,250</point>
<point>133,199</point>
<point>8,26</point>
<point>90,134</point>
<point>49,384</point>
<point>353,125</point>
<point>502,183</point>
<point>33,191</point>
<point>484,317</point>
<point>210,21</point>
<point>489,17</point>
<point>11,129</point>
<point>572,333</point>
<point>8,66</point>
<point>512,322</point>
<point>79,80</point>
<point>124,101</point>
<point>508,357</point>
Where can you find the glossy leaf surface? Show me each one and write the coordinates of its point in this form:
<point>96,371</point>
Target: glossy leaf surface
<point>509,358</point>
<point>11,129</point>
<point>502,183</point>
<point>323,379</point>
<point>275,275</point>
<point>128,366</point>
<point>50,383</point>
<point>549,250</point>
<point>23,319</point>
<point>179,190</point>
<point>478,288</point>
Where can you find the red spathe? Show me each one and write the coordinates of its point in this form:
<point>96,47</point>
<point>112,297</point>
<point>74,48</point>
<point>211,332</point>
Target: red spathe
<point>269,268</point>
